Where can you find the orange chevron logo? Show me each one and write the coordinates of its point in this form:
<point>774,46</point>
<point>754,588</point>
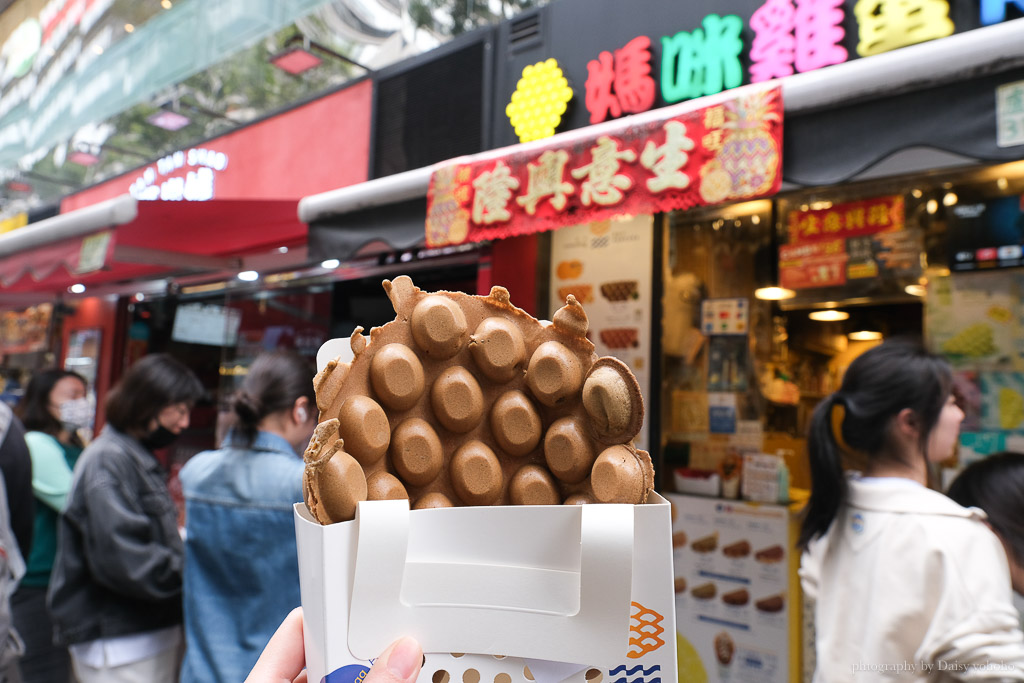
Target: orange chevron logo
<point>645,631</point>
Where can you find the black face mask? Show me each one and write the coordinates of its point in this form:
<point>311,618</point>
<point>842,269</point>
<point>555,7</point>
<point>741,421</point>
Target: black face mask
<point>161,437</point>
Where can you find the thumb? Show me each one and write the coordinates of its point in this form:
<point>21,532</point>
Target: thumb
<point>400,663</point>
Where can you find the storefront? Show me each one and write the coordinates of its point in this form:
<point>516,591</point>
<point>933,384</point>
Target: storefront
<point>890,170</point>
<point>195,254</point>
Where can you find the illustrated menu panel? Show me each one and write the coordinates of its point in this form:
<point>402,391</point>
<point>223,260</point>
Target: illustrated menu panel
<point>607,266</point>
<point>732,590</point>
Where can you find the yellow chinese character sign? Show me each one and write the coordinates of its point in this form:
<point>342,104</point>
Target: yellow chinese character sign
<point>689,156</point>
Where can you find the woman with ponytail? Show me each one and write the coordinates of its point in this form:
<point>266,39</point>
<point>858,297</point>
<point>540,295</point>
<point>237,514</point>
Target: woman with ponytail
<point>903,580</point>
<point>241,572</point>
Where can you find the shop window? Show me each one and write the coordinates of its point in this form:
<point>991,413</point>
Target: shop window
<point>715,334</point>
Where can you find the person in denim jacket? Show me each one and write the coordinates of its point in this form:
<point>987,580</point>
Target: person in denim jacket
<point>115,591</point>
<point>241,571</point>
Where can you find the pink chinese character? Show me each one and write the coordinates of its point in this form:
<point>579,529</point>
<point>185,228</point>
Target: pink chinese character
<point>633,83</point>
<point>601,101</point>
<point>773,46</point>
<point>819,34</point>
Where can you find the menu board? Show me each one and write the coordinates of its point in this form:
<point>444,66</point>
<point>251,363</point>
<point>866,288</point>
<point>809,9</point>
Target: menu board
<point>864,240</point>
<point>607,266</point>
<point>733,603</point>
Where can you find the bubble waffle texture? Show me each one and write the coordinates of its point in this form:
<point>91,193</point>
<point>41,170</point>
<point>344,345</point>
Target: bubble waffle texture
<point>623,290</point>
<point>468,400</point>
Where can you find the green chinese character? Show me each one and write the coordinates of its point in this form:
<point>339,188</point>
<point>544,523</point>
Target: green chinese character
<point>704,61</point>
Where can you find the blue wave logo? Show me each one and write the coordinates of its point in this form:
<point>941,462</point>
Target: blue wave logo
<point>353,673</point>
<point>621,669</point>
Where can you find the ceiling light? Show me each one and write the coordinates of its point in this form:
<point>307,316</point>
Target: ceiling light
<point>169,120</point>
<point>298,56</point>
<point>77,288</point>
<point>950,199</point>
<point>773,293</point>
<point>139,296</point>
<point>295,60</point>
<point>330,264</point>
<point>83,158</point>
<point>166,4</point>
<point>1002,183</point>
<point>755,219</point>
<point>828,316</point>
<point>282,250</point>
<point>128,28</point>
<point>248,276</point>
<point>916,193</point>
<point>932,206</point>
<point>865,335</point>
<point>915,290</point>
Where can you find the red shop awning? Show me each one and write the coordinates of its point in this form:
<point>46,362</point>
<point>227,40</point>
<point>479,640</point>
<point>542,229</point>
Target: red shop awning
<point>124,239</point>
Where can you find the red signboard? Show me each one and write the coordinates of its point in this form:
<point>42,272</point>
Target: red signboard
<point>831,245</point>
<point>673,158</point>
<point>882,214</point>
<point>820,264</point>
<point>300,152</point>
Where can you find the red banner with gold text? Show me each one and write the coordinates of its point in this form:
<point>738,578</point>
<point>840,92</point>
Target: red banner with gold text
<point>678,157</point>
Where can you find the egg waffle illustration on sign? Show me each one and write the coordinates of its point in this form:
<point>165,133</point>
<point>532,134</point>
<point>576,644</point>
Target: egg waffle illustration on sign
<point>468,400</point>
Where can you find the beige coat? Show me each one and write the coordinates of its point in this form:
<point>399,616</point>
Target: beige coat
<point>909,586</point>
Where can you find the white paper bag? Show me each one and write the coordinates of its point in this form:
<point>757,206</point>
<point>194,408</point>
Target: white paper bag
<point>590,586</point>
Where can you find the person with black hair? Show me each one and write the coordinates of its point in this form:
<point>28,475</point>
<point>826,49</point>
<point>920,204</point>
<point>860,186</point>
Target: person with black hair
<point>903,580</point>
<point>53,409</point>
<point>241,571</point>
<point>115,591</point>
<point>996,485</point>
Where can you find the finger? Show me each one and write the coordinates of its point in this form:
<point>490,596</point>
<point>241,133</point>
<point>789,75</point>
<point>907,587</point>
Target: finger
<point>400,663</point>
<point>284,657</point>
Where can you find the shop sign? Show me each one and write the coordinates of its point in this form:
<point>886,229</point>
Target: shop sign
<point>704,61</point>
<point>856,240</point>
<point>806,37</point>
<point>621,84</point>
<point>187,176</point>
<point>541,97</point>
<point>789,36</point>
<point>846,220</point>
<point>688,157</point>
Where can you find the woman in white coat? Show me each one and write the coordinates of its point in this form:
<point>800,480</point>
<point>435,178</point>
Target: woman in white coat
<point>907,584</point>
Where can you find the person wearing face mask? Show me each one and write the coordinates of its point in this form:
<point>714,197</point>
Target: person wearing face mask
<point>53,409</point>
<point>241,497</point>
<point>115,591</point>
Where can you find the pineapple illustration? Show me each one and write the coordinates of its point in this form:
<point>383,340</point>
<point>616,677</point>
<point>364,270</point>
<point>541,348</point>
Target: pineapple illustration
<point>749,154</point>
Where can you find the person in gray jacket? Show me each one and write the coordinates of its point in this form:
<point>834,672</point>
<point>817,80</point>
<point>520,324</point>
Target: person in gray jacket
<point>115,592</point>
